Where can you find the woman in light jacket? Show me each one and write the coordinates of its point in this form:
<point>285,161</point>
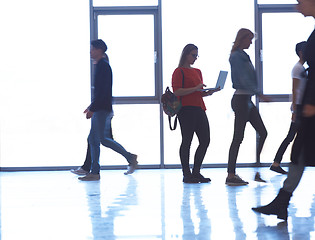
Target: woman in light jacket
<point>244,81</point>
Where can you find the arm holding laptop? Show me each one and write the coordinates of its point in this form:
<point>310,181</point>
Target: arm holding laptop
<point>205,92</point>
<point>185,91</point>
<point>209,92</point>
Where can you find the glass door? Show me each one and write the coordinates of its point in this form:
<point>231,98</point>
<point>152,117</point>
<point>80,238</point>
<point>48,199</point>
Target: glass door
<point>281,29</point>
<point>130,34</point>
<point>130,40</point>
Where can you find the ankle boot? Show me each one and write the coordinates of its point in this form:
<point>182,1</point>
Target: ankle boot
<point>279,206</point>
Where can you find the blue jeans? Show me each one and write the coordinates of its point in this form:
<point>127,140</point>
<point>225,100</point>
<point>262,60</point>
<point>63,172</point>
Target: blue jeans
<point>100,133</point>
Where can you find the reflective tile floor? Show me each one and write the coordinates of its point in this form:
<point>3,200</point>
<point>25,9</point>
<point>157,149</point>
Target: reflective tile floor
<point>150,204</point>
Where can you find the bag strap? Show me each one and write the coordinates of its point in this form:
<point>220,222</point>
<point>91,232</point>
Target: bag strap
<point>183,83</point>
<point>175,120</point>
<point>175,123</point>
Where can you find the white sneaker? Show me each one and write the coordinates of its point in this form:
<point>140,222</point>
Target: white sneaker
<point>90,177</point>
<point>133,165</point>
<point>79,171</point>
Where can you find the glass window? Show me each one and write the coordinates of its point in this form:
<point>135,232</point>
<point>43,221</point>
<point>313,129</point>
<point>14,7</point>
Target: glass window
<point>281,32</point>
<point>44,82</point>
<point>137,128</point>
<point>111,3</point>
<point>221,120</point>
<point>194,23</point>
<point>44,90</point>
<point>277,1</point>
<point>130,41</point>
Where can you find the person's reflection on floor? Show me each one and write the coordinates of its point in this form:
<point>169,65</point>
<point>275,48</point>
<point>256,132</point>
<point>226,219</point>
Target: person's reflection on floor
<point>103,223</point>
<point>233,210</point>
<point>192,201</point>
<point>303,226</point>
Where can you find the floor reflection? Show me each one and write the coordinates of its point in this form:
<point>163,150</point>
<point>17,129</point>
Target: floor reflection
<point>233,192</point>
<point>103,223</point>
<point>150,204</point>
<point>196,223</point>
<point>298,226</point>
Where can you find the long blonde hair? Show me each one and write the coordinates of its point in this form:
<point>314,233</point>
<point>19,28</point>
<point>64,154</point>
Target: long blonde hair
<point>186,51</point>
<point>240,36</point>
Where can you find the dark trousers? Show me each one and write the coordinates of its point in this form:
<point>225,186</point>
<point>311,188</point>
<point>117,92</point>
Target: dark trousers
<point>88,161</point>
<point>289,138</point>
<point>245,111</point>
<point>193,120</point>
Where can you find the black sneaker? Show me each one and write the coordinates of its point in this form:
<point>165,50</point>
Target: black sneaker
<point>235,181</point>
<point>201,178</point>
<point>278,169</point>
<point>190,179</point>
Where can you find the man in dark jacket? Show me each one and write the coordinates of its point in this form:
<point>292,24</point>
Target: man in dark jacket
<point>101,113</point>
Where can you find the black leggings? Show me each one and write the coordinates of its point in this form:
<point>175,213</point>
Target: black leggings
<point>245,111</point>
<point>193,120</point>
<point>291,134</point>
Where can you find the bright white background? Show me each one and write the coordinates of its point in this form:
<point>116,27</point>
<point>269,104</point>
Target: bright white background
<point>45,80</point>
<point>212,27</point>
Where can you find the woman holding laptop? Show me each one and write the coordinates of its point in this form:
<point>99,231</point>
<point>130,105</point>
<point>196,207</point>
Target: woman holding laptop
<point>187,84</point>
<point>244,82</point>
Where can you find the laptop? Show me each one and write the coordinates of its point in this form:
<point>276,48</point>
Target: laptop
<point>220,82</point>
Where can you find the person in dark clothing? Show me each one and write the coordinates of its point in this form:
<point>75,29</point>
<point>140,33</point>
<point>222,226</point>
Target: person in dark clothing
<point>299,78</point>
<point>100,112</point>
<point>86,167</point>
<point>303,151</point>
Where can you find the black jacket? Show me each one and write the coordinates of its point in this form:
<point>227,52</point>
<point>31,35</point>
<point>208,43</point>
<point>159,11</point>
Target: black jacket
<point>102,87</point>
<point>305,139</point>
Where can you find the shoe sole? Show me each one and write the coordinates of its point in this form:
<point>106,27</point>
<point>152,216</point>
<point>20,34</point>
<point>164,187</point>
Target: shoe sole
<point>236,184</point>
<point>88,180</point>
<point>132,171</point>
<point>79,174</point>
<point>256,210</point>
<point>204,181</point>
<point>278,171</point>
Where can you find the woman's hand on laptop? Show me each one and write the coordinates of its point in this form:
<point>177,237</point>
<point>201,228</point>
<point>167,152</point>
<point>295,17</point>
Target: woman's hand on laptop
<point>210,92</point>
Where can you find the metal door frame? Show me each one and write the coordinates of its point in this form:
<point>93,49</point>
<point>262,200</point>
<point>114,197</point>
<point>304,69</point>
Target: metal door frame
<point>260,9</point>
<point>138,10</point>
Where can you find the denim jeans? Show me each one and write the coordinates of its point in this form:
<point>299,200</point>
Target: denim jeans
<point>88,161</point>
<point>100,133</point>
